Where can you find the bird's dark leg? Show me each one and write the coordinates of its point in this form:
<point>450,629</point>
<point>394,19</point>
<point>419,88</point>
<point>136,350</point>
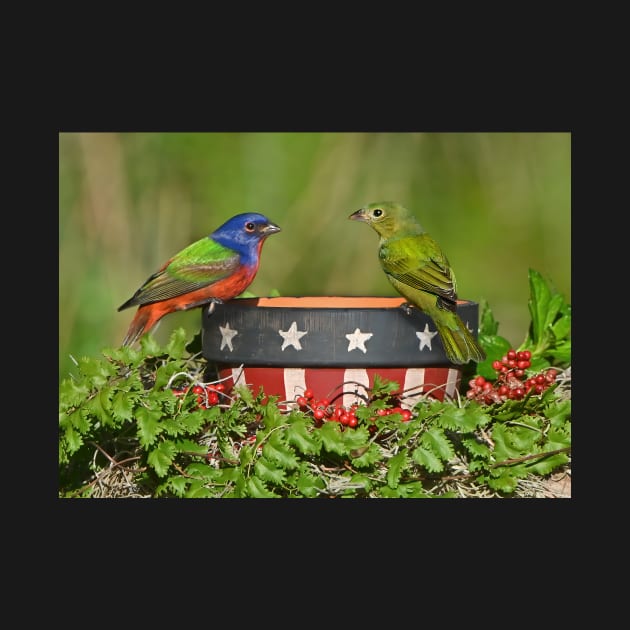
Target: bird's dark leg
<point>407,308</point>
<point>212,304</point>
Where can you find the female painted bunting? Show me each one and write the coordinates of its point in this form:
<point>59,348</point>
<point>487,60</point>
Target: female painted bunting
<point>415,264</point>
<point>213,269</point>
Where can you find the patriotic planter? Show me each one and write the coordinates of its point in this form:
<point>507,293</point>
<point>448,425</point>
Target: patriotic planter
<point>331,345</point>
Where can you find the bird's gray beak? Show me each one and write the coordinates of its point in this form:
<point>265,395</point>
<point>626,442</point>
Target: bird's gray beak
<point>359,215</point>
<point>270,228</point>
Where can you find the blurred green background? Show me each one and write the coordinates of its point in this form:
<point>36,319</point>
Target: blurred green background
<point>498,203</point>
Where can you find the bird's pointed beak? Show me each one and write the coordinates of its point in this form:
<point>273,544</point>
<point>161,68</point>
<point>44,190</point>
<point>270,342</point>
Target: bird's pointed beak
<point>359,215</point>
<point>271,228</point>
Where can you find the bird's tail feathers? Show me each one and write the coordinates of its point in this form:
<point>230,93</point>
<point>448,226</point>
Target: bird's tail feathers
<point>144,320</point>
<point>460,345</point>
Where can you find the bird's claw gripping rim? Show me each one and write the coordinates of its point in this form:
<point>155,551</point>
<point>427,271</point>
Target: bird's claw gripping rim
<point>212,304</point>
<point>407,308</point>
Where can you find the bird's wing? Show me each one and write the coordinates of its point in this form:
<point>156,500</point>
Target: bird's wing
<point>418,262</point>
<point>199,265</point>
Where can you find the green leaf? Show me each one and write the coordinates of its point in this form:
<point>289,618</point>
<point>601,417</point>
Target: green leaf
<point>245,394</point>
<point>72,393</point>
<point>298,435</point>
<point>477,448</point>
<point>558,413</point>
<point>383,386</point>
<point>562,327</point>
<point>79,420</point>
<point>503,446</point>
<point>161,457</point>
<point>434,440</point>
<point>355,439</point>
<point>488,326</point>
<point>149,346</point>
<point>546,465</point>
<point>524,440</point>
<point>177,343</point>
<point>192,421</point>
<point>427,458</point>
<point>178,485</point>
<point>539,305</point>
<point>464,419</point>
<point>268,471</point>
<point>197,490</point>
<point>277,451</point>
<point>504,481</point>
<point>395,467</point>
<point>257,489</point>
<point>368,457</point>
<point>191,448</point>
<point>332,438</point>
<point>309,485</point>
<point>148,426</point>
<point>412,490</point>
<point>73,439</point>
<point>96,370</point>
<point>99,406</point>
<point>122,407</point>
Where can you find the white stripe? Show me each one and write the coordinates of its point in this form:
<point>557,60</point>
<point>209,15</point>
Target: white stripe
<point>238,375</point>
<point>451,381</point>
<point>361,376</point>
<point>414,380</point>
<point>294,384</point>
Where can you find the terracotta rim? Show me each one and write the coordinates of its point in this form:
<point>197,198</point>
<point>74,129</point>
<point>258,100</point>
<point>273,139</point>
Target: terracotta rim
<point>327,301</point>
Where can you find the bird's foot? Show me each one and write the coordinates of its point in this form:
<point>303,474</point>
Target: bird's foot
<point>408,308</point>
<point>212,304</point>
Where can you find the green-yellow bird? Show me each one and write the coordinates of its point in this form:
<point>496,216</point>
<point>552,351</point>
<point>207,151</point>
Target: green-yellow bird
<point>417,267</point>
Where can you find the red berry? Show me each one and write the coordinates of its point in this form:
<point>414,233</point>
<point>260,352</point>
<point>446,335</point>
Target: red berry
<point>406,414</point>
<point>197,389</point>
<point>301,401</point>
<point>213,398</point>
<point>319,414</point>
<point>352,421</point>
<point>308,393</point>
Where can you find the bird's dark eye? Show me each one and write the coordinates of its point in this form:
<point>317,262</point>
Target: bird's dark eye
<point>250,227</point>
<point>377,213</point>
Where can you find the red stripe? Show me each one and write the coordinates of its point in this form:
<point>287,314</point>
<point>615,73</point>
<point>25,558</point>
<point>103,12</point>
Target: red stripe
<point>329,382</point>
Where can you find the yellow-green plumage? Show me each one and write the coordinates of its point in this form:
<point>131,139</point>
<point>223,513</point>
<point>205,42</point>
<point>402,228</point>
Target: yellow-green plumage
<point>415,264</point>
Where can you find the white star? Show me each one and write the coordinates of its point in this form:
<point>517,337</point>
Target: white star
<point>292,337</point>
<point>227,335</point>
<point>357,340</point>
<point>425,337</point>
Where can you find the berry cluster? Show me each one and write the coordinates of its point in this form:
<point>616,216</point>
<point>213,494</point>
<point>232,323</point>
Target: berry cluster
<point>207,396</point>
<point>324,410</point>
<point>509,384</point>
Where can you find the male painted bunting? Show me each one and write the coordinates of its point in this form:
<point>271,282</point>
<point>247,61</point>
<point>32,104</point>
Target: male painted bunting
<point>415,264</point>
<point>216,268</point>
